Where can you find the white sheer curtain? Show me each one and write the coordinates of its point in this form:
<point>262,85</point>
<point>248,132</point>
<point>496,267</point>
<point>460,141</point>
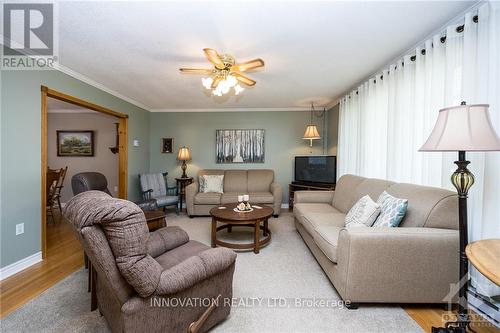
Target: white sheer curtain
<point>385,121</point>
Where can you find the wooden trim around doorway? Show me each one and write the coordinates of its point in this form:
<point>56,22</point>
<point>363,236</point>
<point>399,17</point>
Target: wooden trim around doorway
<point>122,148</point>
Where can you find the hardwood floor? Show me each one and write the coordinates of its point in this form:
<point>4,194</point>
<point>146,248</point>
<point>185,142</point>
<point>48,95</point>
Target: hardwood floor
<point>65,256</point>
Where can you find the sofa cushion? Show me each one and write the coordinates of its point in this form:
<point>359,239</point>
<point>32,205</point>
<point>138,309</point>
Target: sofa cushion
<point>235,181</point>
<point>207,198</point>
<point>260,180</point>
<point>229,197</point>
<point>327,237</point>
<point>345,195</point>
<point>299,209</point>
<point>427,206</point>
<point>261,197</point>
<point>371,187</point>
<point>311,221</point>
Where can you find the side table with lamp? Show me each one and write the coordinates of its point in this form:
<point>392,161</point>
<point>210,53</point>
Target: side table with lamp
<point>183,155</point>
<point>462,128</point>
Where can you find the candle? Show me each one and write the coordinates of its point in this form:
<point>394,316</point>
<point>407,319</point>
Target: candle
<point>240,198</point>
<point>246,197</point>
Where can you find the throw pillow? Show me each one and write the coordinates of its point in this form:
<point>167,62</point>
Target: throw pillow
<point>213,183</point>
<point>392,210</point>
<point>363,213</point>
<point>201,181</point>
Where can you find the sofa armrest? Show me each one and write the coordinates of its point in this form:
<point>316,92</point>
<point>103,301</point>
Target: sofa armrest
<point>397,264</point>
<point>190,192</point>
<point>194,270</point>
<point>313,197</point>
<point>165,239</point>
<point>278,197</point>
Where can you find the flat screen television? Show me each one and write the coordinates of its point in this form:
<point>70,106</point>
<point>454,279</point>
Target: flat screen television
<point>316,169</point>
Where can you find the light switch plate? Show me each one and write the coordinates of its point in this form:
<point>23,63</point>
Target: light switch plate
<point>136,143</point>
<point>19,229</point>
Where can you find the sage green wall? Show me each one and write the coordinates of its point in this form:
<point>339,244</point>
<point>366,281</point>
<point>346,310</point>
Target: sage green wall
<point>196,130</point>
<point>333,129</point>
<point>21,154</point>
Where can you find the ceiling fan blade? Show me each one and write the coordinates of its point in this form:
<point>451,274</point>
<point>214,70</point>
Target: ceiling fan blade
<point>244,79</point>
<point>216,81</point>
<point>249,65</point>
<point>196,70</point>
<point>214,58</point>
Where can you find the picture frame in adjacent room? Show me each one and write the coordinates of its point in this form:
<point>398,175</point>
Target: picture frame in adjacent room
<point>167,145</point>
<point>75,143</point>
<point>240,145</point>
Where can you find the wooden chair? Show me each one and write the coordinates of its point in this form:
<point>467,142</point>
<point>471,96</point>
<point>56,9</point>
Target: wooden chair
<point>52,180</point>
<point>155,186</point>
<point>59,186</point>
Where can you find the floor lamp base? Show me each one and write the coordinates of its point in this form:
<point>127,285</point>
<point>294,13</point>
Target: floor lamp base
<point>454,327</point>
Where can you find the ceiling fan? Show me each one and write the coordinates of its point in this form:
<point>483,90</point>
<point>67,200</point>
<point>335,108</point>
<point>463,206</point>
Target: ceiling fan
<point>226,73</point>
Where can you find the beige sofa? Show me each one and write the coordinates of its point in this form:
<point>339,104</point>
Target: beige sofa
<point>414,263</point>
<point>258,183</point>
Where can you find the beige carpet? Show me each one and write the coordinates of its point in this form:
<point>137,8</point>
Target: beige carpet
<point>275,291</point>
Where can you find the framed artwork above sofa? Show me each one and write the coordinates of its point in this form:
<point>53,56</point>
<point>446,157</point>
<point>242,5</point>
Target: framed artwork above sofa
<point>240,145</point>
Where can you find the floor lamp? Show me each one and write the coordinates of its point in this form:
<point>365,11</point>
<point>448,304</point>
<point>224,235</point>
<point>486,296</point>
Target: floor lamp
<point>462,128</point>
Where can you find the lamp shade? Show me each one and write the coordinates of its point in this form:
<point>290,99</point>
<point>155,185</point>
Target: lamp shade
<point>184,154</point>
<point>311,133</point>
<point>463,128</point>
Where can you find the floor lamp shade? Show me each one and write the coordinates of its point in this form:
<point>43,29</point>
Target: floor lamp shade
<point>463,128</point>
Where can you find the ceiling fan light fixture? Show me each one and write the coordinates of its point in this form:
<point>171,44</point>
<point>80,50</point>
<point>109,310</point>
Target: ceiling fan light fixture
<point>226,73</point>
<point>207,82</point>
<point>238,89</point>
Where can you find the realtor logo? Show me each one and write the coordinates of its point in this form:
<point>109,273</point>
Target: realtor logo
<point>28,30</point>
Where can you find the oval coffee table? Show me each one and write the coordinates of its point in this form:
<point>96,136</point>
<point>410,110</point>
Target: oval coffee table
<point>231,219</point>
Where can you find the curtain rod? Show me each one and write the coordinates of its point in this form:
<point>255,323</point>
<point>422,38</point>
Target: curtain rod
<point>459,29</point>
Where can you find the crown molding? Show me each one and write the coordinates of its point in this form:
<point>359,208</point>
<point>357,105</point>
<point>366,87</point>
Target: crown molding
<point>95,84</point>
<point>333,103</point>
<point>294,109</point>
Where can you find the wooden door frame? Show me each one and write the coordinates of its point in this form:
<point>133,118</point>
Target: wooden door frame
<point>122,148</point>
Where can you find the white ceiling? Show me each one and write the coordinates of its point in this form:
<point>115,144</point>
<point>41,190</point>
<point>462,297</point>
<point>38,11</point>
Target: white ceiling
<point>312,50</point>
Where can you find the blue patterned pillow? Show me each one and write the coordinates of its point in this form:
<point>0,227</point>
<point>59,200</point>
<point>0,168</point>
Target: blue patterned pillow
<point>392,210</point>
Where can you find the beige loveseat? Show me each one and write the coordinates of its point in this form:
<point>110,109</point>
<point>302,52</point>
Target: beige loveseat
<point>258,183</point>
<point>413,263</point>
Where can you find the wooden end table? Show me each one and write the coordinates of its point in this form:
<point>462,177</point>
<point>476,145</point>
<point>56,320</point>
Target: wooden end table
<point>485,256</point>
<point>155,219</point>
<point>231,219</point>
<point>181,185</point>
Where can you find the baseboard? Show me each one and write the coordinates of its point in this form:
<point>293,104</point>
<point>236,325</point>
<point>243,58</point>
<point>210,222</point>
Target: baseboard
<point>20,265</point>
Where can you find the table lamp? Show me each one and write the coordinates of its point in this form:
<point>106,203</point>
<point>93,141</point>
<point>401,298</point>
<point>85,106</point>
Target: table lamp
<point>184,155</point>
<point>462,128</point>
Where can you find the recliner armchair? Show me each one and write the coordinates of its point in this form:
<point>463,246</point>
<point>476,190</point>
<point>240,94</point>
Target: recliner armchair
<point>136,268</point>
<point>88,181</point>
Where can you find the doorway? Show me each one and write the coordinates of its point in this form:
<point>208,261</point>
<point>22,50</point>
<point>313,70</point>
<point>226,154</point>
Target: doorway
<point>50,96</point>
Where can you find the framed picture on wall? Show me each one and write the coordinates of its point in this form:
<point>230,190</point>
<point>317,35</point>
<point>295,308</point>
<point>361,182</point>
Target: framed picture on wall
<point>75,143</point>
<point>167,145</point>
<point>240,146</point>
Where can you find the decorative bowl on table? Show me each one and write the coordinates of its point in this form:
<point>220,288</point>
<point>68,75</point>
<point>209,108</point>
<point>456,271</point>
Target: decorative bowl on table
<point>243,207</point>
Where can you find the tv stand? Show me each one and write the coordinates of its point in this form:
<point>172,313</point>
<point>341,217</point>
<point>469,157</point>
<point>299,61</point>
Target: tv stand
<point>300,186</point>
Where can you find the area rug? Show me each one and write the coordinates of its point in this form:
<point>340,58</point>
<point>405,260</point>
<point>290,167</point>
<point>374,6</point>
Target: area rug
<point>282,289</point>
